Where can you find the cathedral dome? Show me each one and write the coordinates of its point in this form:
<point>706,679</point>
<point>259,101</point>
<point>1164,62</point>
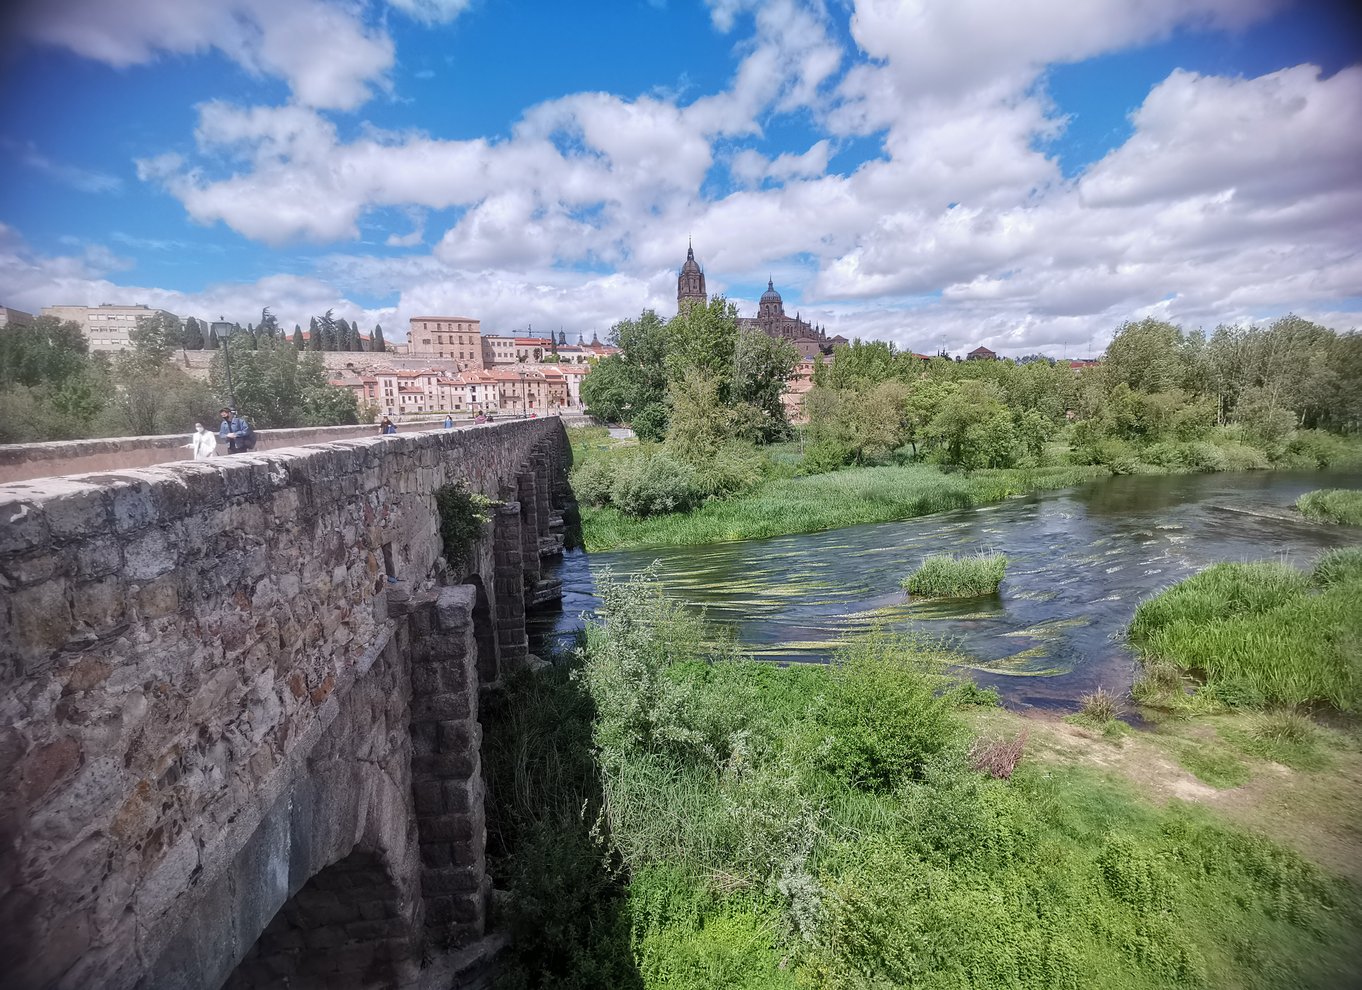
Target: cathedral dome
<point>770,295</point>
<point>690,267</point>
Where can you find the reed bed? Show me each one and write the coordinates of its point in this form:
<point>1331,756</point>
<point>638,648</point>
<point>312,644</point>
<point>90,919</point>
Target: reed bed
<point>1263,633</point>
<point>826,501</point>
<point>1335,505</point>
<point>944,576</point>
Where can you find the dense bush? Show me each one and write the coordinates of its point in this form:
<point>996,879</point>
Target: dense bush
<point>886,715</point>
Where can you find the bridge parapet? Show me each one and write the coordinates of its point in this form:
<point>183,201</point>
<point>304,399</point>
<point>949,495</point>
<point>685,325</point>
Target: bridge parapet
<point>205,703</point>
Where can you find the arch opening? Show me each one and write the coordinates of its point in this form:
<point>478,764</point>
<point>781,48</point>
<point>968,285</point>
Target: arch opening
<point>344,930</point>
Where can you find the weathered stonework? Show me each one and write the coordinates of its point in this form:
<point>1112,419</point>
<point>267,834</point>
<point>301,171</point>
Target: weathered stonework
<point>233,691</point>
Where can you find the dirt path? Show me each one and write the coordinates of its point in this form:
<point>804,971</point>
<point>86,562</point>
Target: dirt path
<point>1318,813</point>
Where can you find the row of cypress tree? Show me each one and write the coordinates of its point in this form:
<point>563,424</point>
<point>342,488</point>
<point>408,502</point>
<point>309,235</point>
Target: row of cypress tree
<point>324,333</point>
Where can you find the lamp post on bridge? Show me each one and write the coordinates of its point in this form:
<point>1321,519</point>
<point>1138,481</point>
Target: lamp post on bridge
<point>223,331</point>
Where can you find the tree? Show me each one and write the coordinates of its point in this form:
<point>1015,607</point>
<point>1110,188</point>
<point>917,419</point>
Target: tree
<point>761,366</point>
<point>973,427</point>
<point>326,327</point>
<point>193,335</point>
<point>379,346</point>
<point>298,341</point>
<point>49,350</point>
<point>1149,356</point>
<point>156,336</point>
<point>268,332</point>
<point>342,335</point>
<point>314,336</point>
<point>278,387</point>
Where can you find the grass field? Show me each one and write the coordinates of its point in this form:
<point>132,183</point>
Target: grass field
<point>825,501</point>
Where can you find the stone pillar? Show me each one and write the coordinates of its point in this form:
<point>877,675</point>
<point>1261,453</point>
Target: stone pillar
<point>529,527</point>
<point>446,770</point>
<point>543,478</point>
<point>513,646</point>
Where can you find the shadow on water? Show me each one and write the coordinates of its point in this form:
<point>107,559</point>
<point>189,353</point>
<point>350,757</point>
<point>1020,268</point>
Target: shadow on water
<point>1080,561</point>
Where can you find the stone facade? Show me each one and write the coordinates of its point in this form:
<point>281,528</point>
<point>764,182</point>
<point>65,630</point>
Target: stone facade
<point>238,711</point>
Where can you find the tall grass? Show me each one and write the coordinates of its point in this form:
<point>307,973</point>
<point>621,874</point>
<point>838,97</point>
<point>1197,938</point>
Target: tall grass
<point>834,827</point>
<point>1336,505</point>
<point>825,501</point>
<point>1263,633</point>
<point>944,576</point>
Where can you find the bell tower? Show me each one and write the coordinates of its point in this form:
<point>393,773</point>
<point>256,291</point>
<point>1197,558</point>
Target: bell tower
<point>690,285</point>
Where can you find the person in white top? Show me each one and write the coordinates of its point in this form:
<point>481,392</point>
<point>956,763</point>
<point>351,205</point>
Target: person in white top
<point>204,444</point>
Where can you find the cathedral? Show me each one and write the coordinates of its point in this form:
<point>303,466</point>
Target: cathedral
<point>770,319</point>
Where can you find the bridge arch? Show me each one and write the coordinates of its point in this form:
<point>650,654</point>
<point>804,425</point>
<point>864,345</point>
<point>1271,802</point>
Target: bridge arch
<point>347,928</point>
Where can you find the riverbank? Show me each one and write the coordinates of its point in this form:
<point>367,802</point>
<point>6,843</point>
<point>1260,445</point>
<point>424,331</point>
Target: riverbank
<point>664,817</point>
<point>817,502</point>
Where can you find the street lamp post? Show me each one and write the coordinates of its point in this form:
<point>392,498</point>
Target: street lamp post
<point>223,331</point>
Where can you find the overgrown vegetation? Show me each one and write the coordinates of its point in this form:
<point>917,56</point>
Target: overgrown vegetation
<point>463,514</point>
<point>735,824</point>
<point>1254,635</point>
<point>1334,505</point>
<point>1161,400</point>
<point>944,576</point>
<point>782,504</point>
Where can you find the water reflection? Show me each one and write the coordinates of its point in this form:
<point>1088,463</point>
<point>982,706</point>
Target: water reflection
<point>1080,562</point>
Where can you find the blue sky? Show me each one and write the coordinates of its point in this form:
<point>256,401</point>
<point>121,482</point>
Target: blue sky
<point>1021,173</point>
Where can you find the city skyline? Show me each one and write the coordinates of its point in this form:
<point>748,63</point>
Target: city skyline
<point>939,176</point>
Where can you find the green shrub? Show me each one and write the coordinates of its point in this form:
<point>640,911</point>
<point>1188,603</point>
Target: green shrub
<point>885,715</point>
<point>655,484</point>
<point>1321,449</point>
<point>1336,505</point>
<point>463,514</point>
<point>592,481</point>
<point>944,576</point>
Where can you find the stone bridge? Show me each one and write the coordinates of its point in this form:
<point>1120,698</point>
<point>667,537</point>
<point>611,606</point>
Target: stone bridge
<point>239,737</point>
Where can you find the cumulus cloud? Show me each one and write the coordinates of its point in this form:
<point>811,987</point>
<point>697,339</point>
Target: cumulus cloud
<point>1233,198</point>
<point>323,50</point>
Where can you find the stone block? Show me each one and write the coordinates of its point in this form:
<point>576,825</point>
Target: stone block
<point>41,621</point>
<point>439,707</point>
<point>98,606</point>
<point>150,555</point>
<point>446,828</point>
<point>23,525</point>
<point>98,556</point>
<point>75,509</point>
<point>450,880</point>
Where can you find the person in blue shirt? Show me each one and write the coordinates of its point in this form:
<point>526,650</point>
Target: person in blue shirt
<point>449,422</point>
<point>387,426</point>
<point>235,432</point>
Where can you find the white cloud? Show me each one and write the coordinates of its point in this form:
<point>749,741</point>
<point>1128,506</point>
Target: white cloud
<point>432,11</point>
<point>323,50</point>
<point>1232,198</point>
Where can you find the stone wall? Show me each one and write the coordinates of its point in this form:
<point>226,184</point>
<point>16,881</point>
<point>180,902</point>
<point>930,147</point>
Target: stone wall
<point>218,679</point>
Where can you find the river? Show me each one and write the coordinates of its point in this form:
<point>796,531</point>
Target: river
<point>1080,561</point>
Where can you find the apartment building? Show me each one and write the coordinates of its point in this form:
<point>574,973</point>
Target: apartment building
<point>15,317</point>
<point>453,338</point>
<point>108,326</point>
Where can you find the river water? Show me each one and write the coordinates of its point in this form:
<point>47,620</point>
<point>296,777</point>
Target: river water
<point>1080,561</point>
